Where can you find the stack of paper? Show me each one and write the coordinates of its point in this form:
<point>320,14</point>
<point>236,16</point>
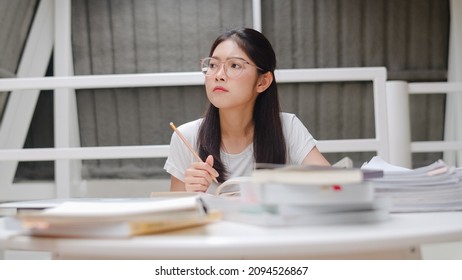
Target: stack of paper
<point>117,219</point>
<point>300,195</point>
<point>436,187</point>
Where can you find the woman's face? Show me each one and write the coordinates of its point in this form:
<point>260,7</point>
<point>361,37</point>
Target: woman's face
<point>226,92</point>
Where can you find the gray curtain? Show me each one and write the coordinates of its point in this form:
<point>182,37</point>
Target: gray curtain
<point>142,37</point>
<point>409,37</point>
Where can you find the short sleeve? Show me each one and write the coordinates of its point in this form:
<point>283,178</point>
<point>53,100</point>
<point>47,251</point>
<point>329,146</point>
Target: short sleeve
<point>298,139</point>
<point>180,157</point>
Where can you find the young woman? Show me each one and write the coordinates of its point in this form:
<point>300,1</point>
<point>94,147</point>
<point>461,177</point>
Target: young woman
<point>243,124</point>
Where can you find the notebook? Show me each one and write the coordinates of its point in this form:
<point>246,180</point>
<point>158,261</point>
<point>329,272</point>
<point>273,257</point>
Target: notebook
<point>49,203</point>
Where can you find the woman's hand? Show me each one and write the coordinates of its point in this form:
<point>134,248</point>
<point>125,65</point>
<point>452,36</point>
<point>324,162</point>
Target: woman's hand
<point>200,175</point>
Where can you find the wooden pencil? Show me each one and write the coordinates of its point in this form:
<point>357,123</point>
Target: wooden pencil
<point>185,141</point>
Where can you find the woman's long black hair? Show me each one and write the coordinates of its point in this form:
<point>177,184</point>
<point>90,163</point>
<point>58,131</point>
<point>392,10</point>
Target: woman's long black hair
<point>268,143</point>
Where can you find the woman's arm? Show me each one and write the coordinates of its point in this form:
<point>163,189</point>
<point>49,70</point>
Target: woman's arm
<point>314,157</point>
<point>176,185</point>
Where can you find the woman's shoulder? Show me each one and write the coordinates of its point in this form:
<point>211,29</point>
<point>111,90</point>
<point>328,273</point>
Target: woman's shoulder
<point>190,129</point>
<point>288,118</point>
<point>192,125</point>
<point>285,115</point>
<point>291,123</point>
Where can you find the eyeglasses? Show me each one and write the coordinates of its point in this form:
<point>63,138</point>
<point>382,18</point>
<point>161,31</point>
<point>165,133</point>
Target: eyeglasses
<point>233,67</point>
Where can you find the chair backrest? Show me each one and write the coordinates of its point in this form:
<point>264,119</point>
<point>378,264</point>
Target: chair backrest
<point>376,75</point>
<point>401,146</point>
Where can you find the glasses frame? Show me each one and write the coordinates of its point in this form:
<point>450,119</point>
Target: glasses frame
<point>220,63</point>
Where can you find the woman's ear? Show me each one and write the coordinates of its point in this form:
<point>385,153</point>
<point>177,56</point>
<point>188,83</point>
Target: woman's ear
<point>264,81</point>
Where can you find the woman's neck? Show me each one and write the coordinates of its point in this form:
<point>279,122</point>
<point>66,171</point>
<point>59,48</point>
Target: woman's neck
<point>236,131</point>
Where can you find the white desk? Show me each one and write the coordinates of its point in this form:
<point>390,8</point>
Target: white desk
<point>399,237</point>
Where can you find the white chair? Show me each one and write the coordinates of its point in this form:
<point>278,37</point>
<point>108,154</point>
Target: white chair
<point>376,75</point>
<point>401,146</point>
<point>62,188</point>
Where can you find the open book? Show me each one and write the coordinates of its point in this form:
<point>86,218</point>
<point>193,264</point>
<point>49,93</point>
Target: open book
<point>232,186</point>
<point>117,219</point>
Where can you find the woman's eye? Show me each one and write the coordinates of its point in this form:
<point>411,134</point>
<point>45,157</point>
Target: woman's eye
<point>236,66</point>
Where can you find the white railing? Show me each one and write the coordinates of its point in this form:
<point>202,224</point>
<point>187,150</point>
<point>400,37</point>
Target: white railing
<point>401,146</point>
<point>377,75</point>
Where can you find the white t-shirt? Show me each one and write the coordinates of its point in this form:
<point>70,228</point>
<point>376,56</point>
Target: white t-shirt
<point>299,143</point>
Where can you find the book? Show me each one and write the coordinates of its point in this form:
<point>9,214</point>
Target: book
<point>232,186</point>
<point>118,219</point>
<point>264,218</point>
<point>306,174</point>
<point>303,185</point>
<point>435,187</point>
<point>308,194</point>
<point>284,195</point>
<point>119,229</point>
<point>263,214</point>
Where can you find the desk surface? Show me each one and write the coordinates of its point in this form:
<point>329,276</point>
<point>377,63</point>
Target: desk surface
<point>229,240</point>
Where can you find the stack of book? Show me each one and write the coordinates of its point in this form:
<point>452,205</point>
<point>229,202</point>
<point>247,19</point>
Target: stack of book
<point>301,195</point>
<point>115,219</point>
<point>435,187</point>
